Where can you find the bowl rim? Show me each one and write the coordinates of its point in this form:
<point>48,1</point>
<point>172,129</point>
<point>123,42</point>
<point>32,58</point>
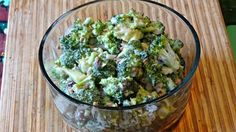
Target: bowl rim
<point>187,78</point>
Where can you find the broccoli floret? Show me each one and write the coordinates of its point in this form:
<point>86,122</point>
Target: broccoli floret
<point>154,27</point>
<point>130,60</point>
<point>137,48</point>
<point>58,73</point>
<point>149,37</point>
<point>98,27</point>
<point>132,19</point>
<point>138,20</point>
<point>106,71</point>
<point>121,18</point>
<point>119,88</point>
<point>67,59</point>
<point>109,42</point>
<point>80,35</point>
<point>70,41</point>
<point>169,57</point>
<point>157,44</point>
<point>112,87</point>
<point>136,44</point>
<point>127,34</point>
<point>78,25</point>
<point>87,93</point>
<point>152,70</point>
<point>160,47</point>
<point>176,45</point>
<point>130,66</point>
<point>70,58</point>
<point>76,75</point>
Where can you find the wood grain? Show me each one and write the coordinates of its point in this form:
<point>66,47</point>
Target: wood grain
<point>25,101</point>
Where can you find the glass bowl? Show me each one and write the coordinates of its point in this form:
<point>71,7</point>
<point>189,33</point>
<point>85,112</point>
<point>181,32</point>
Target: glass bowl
<point>153,115</point>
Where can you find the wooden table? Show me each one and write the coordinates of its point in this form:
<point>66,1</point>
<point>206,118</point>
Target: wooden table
<point>25,100</point>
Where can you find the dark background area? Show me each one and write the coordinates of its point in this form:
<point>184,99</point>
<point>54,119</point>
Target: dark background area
<point>228,8</point>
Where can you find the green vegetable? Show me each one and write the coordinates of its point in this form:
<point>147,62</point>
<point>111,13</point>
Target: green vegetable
<point>154,27</point>
<point>119,88</point>
<point>67,59</point>
<point>125,33</point>
<point>76,75</point>
<point>98,27</point>
<point>87,93</point>
<point>169,57</point>
<point>109,42</point>
<point>176,45</point>
<point>112,87</point>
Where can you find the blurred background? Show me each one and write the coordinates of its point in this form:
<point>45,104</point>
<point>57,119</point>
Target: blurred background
<point>228,8</point>
<point>4,7</point>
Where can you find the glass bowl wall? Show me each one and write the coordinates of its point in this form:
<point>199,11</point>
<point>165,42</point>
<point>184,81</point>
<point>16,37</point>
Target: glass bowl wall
<point>157,114</point>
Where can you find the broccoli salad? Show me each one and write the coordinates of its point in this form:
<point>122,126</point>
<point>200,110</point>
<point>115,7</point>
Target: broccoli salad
<point>124,61</point>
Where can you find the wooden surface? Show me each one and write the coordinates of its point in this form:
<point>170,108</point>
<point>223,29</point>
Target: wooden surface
<point>25,101</point>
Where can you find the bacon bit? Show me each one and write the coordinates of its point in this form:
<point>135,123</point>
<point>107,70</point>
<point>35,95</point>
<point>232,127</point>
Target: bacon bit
<point>117,60</point>
<point>177,81</point>
<point>149,86</point>
<point>97,63</point>
<point>160,92</point>
<point>71,91</point>
<point>159,89</point>
<point>70,84</point>
<point>59,47</point>
<point>121,48</point>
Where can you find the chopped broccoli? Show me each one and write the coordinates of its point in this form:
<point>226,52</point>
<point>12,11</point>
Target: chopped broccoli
<point>112,87</point>
<point>76,75</point>
<point>109,42</point>
<point>169,57</point>
<point>67,59</point>
<point>152,72</point>
<point>123,32</point>
<point>131,65</point>
<point>103,72</point>
<point>133,19</point>
<point>157,44</point>
<point>121,18</point>
<point>86,63</point>
<point>176,45</point>
<point>98,27</point>
<point>154,27</point>
<point>87,93</point>
<point>58,73</point>
<point>70,41</point>
<point>119,88</point>
<point>160,47</point>
<point>121,62</point>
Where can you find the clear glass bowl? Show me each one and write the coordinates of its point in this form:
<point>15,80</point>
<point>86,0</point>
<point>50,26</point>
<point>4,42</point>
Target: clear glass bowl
<point>157,114</point>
